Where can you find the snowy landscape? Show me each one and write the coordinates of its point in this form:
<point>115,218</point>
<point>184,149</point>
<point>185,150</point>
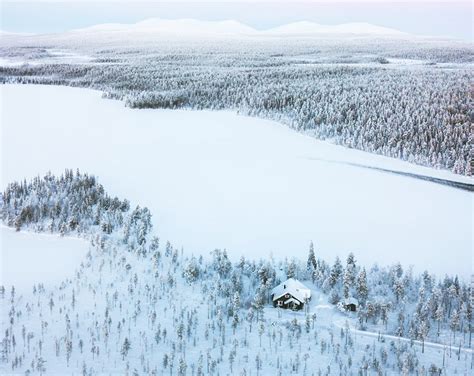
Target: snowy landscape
<point>160,179</point>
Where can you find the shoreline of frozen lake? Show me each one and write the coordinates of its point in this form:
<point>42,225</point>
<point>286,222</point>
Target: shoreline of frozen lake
<point>29,258</point>
<point>252,186</point>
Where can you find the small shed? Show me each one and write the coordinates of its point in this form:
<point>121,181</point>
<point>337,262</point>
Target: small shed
<point>351,304</point>
<point>290,294</point>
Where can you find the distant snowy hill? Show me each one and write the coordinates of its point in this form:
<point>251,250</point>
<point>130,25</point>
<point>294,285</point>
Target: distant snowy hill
<point>305,27</point>
<point>191,27</point>
<point>176,27</point>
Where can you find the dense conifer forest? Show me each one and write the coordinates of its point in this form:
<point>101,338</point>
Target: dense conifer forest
<point>411,100</point>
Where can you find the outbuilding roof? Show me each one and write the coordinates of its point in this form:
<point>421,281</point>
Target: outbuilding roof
<point>351,300</point>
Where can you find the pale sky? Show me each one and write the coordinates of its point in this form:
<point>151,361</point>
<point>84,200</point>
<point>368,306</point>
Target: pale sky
<point>288,2</point>
<point>445,18</point>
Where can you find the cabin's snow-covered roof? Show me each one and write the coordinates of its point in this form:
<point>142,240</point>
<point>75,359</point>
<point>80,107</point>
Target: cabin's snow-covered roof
<point>293,287</point>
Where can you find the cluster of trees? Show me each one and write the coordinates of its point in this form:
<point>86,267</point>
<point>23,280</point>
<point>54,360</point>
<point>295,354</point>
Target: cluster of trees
<point>407,305</point>
<point>389,299</point>
<point>140,307</point>
<point>72,202</point>
<point>421,114</point>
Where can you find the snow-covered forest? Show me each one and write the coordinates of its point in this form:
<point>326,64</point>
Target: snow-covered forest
<point>401,97</point>
<point>152,295</point>
<point>138,306</point>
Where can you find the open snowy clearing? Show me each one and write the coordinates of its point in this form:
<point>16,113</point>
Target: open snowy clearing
<point>28,258</point>
<point>252,186</point>
<point>51,56</point>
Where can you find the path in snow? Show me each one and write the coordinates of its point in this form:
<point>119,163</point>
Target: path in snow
<point>469,187</point>
<point>342,324</point>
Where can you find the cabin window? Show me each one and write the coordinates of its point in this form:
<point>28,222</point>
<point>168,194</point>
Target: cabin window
<point>287,296</point>
<point>280,303</point>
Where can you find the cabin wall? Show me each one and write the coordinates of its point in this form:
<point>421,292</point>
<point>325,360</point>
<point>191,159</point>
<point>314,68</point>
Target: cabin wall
<point>283,299</point>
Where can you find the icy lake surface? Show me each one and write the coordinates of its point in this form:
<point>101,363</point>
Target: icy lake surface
<point>27,258</point>
<point>252,186</point>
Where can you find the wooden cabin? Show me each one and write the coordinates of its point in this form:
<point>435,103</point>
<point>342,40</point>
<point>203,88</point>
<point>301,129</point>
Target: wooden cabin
<point>291,294</point>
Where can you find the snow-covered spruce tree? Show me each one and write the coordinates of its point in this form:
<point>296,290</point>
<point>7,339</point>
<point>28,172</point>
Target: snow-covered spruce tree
<point>349,275</point>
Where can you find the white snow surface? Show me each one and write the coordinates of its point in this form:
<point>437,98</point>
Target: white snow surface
<point>28,258</point>
<point>56,56</point>
<point>252,186</point>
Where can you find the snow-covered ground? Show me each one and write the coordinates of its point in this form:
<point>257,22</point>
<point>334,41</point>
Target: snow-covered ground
<point>28,258</point>
<point>255,187</point>
<point>51,56</point>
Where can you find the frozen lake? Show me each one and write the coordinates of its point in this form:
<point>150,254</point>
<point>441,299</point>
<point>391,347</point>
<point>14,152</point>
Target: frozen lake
<point>252,186</point>
<point>27,258</point>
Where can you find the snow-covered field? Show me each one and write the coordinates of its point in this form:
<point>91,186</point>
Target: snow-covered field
<point>48,56</point>
<point>28,258</point>
<point>252,186</point>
